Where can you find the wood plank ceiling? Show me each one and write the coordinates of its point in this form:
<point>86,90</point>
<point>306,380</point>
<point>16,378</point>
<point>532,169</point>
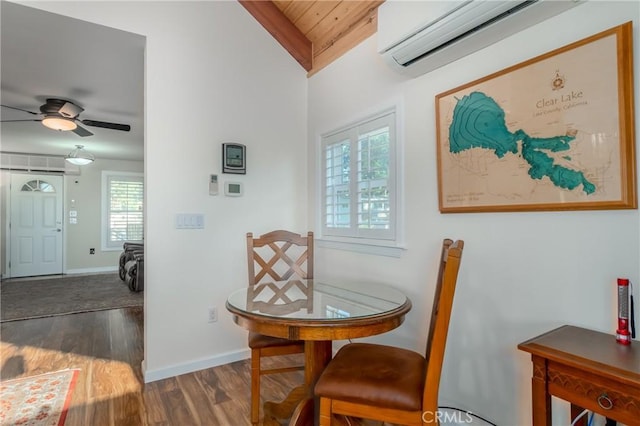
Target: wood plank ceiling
<point>316,33</point>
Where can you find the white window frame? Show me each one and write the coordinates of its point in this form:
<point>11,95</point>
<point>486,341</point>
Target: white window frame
<point>388,242</point>
<point>107,175</point>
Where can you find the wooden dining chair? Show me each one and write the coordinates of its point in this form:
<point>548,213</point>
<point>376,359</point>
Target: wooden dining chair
<point>275,256</point>
<point>390,384</point>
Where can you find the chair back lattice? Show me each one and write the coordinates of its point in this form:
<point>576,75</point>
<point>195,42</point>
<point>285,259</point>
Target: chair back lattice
<point>279,255</point>
<point>440,316</point>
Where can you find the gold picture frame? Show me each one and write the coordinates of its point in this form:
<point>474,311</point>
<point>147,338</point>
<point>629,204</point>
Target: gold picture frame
<point>555,132</point>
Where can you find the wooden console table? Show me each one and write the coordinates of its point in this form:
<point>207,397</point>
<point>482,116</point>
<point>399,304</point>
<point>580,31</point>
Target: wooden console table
<point>587,368</point>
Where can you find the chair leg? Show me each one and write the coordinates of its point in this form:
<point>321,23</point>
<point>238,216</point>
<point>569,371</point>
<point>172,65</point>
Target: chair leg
<point>325,412</point>
<point>255,386</point>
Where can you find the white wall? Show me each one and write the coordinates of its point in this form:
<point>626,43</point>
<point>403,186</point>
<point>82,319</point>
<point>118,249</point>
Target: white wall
<point>83,194</point>
<point>5,179</point>
<point>522,273</point>
<point>212,74</point>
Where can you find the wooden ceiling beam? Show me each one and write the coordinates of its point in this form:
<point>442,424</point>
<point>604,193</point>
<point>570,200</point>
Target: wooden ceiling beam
<point>343,43</point>
<point>285,32</point>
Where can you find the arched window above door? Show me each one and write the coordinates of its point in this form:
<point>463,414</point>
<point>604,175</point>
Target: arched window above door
<point>38,185</point>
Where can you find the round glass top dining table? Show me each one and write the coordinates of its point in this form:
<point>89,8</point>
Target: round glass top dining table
<point>314,310</point>
<point>317,313</point>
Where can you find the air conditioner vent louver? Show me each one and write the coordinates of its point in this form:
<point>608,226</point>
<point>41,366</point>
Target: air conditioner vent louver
<point>470,32</point>
<point>438,33</point>
<point>37,163</point>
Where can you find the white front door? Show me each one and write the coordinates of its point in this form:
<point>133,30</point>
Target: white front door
<point>36,225</point>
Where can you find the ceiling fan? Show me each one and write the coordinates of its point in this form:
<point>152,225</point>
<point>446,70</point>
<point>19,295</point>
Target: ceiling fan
<point>59,114</point>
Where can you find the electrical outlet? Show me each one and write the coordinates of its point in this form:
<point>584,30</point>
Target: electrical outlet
<point>92,251</point>
<point>213,315</point>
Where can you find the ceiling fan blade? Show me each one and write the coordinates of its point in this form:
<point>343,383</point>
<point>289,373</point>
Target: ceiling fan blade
<point>19,109</point>
<point>112,126</point>
<point>81,131</point>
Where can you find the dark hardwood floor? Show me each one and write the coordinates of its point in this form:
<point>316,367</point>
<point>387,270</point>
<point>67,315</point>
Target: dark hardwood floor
<point>107,347</point>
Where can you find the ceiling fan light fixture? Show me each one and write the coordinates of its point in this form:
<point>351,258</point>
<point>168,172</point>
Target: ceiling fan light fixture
<point>59,123</point>
<point>80,157</point>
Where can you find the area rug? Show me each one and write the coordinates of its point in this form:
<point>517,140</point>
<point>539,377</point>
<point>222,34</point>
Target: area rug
<point>37,400</point>
<point>69,294</point>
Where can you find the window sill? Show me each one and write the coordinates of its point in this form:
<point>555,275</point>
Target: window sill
<point>366,246</point>
<point>111,248</point>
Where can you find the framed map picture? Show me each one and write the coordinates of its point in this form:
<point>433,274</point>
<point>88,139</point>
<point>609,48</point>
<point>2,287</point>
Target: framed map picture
<point>553,133</point>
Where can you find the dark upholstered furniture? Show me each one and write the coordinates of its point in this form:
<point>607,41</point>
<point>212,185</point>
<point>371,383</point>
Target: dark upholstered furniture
<point>131,265</point>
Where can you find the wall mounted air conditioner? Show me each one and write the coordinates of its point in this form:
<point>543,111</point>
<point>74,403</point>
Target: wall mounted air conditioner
<point>419,36</point>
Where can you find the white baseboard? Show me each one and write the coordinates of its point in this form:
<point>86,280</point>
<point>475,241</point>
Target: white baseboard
<point>98,270</point>
<point>190,367</point>
<point>92,270</point>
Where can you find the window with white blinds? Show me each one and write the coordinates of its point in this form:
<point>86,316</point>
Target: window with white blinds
<point>359,180</point>
<point>123,216</point>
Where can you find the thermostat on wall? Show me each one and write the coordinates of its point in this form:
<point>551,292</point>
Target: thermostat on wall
<point>234,158</point>
<point>233,189</point>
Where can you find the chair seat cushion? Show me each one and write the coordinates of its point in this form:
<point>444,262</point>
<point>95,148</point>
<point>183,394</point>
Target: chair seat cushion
<point>259,341</point>
<point>377,375</point>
